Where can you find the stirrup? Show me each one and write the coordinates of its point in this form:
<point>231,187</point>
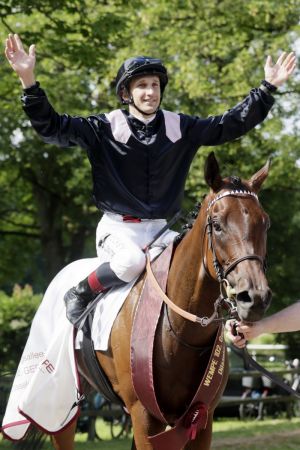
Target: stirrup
<point>80,321</point>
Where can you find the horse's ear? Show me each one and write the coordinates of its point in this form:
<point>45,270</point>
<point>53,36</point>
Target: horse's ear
<point>259,177</point>
<point>212,172</point>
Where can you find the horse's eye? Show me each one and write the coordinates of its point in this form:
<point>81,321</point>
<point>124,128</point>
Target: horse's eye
<point>217,226</point>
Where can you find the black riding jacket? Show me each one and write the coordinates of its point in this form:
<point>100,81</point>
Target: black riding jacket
<point>140,170</point>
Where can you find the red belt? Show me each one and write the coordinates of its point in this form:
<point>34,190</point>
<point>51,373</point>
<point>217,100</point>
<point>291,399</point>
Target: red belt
<point>131,219</point>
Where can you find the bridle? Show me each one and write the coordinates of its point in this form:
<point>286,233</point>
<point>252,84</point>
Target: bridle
<point>227,293</point>
<point>222,273</point>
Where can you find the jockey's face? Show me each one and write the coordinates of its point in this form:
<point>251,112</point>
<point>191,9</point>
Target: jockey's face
<point>145,92</point>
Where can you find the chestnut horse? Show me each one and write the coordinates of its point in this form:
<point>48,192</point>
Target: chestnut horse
<point>227,240</point>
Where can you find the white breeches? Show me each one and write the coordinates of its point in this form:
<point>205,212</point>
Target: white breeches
<point>121,243</point>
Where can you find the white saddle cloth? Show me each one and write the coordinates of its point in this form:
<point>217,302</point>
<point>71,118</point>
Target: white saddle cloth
<point>46,385</point>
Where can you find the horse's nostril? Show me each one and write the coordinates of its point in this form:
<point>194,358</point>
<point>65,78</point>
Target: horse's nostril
<point>243,297</point>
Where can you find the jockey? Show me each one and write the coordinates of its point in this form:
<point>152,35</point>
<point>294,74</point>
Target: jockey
<point>139,156</point>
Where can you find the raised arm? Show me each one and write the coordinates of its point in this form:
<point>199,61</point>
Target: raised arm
<point>23,63</point>
<point>62,130</point>
<point>248,113</point>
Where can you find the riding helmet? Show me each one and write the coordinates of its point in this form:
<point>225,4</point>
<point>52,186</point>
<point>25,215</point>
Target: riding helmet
<point>137,66</point>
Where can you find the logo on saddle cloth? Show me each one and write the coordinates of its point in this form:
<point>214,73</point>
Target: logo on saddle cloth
<point>142,343</point>
<point>47,365</point>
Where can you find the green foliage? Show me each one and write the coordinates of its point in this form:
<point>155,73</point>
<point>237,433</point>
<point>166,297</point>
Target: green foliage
<point>215,52</point>
<point>16,314</point>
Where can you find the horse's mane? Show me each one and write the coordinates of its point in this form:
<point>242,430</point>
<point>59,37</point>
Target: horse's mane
<point>188,221</point>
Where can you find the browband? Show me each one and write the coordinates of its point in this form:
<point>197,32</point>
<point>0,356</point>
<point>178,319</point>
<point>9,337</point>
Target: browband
<point>234,193</point>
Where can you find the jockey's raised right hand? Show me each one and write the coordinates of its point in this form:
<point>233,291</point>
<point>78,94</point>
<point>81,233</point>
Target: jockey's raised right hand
<point>23,63</point>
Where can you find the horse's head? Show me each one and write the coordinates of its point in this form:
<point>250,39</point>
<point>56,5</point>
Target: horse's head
<point>237,234</point>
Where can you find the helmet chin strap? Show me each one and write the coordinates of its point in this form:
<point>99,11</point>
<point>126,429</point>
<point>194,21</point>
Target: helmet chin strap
<point>142,112</point>
<point>130,101</point>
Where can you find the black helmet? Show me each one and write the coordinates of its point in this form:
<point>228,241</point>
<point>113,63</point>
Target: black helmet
<point>140,65</point>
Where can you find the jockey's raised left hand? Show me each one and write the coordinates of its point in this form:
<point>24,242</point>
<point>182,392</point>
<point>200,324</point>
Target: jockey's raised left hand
<point>278,73</point>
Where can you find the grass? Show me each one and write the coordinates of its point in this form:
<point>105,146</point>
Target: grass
<point>270,434</point>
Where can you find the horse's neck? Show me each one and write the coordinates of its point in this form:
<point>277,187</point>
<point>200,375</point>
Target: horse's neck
<point>189,285</point>
<point>187,273</point>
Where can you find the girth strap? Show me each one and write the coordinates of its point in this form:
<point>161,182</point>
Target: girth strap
<point>95,370</point>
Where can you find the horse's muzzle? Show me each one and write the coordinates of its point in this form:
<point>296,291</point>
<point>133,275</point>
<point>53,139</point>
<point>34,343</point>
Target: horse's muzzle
<point>253,303</point>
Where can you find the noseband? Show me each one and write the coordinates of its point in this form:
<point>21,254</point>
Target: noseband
<point>220,271</point>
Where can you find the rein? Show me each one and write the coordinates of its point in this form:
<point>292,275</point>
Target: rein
<point>250,362</point>
<point>203,321</point>
<point>196,348</point>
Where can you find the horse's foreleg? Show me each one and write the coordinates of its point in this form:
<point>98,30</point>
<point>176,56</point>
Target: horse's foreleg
<point>65,439</point>
<point>143,425</point>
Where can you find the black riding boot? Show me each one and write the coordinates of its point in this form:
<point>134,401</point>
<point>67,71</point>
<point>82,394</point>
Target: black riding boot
<point>77,298</point>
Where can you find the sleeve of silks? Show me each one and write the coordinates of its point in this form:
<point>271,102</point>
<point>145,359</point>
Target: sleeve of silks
<point>58,129</point>
<point>234,123</point>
